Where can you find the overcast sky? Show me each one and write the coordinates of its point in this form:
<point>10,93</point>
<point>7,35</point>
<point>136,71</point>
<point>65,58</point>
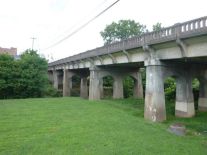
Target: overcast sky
<point>49,21</point>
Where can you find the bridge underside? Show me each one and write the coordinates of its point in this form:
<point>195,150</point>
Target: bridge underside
<point>182,70</point>
<point>179,51</point>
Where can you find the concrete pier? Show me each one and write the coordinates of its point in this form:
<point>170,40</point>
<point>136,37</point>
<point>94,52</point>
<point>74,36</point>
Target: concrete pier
<point>94,88</point>
<point>118,88</point>
<point>154,95</point>
<point>184,106</point>
<point>84,88</point>
<point>178,51</point>
<point>56,80</point>
<point>138,88</point>
<point>202,101</point>
<point>66,83</point>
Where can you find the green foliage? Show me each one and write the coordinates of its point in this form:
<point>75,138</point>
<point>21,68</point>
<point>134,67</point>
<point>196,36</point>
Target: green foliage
<point>108,86</point>
<point>10,73</point>
<point>157,27</point>
<point>195,86</point>
<point>76,80</point>
<point>108,81</point>
<point>52,92</point>
<point>128,86</point>
<point>22,78</point>
<point>123,29</point>
<point>170,88</point>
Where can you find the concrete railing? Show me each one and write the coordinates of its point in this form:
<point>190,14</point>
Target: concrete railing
<point>181,30</point>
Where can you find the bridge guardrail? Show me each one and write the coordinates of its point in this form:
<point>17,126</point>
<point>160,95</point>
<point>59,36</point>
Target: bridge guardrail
<point>181,30</point>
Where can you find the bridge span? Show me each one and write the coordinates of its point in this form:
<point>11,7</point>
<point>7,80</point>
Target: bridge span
<point>178,51</point>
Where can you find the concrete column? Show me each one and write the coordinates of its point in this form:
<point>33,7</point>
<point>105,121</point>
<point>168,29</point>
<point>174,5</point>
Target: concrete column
<point>101,88</point>
<point>138,88</point>
<point>94,88</point>
<point>202,101</point>
<point>118,87</point>
<point>66,83</point>
<point>55,79</point>
<point>154,96</point>
<point>50,76</point>
<point>84,88</point>
<point>184,106</point>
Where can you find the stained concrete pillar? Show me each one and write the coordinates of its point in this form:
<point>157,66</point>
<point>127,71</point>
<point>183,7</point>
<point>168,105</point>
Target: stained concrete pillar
<point>84,88</point>
<point>202,101</point>
<point>67,81</point>
<point>118,87</point>
<point>50,76</point>
<point>184,106</point>
<point>55,79</point>
<point>138,88</point>
<point>94,88</point>
<point>154,95</point>
<point>101,88</point>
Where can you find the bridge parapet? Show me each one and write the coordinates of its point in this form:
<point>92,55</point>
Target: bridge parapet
<point>187,29</point>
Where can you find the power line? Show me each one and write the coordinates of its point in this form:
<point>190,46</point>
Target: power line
<point>82,26</point>
<point>80,21</point>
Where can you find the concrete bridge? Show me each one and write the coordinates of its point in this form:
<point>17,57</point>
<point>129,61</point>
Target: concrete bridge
<point>179,51</point>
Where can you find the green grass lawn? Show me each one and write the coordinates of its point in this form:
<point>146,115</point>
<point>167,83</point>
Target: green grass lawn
<point>80,127</point>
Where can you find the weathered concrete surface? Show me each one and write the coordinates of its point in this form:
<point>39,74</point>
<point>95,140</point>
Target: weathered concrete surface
<point>84,88</point>
<point>118,74</point>
<point>154,95</point>
<point>67,81</point>
<point>192,34</point>
<point>56,80</point>
<point>138,88</point>
<point>118,88</point>
<point>177,129</point>
<point>202,102</point>
<point>184,44</point>
<point>94,87</point>
<point>50,76</point>
<point>184,106</point>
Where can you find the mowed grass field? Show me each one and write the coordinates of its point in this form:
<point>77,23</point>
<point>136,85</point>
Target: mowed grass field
<point>74,126</point>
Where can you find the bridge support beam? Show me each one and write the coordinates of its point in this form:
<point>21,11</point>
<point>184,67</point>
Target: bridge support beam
<point>184,106</point>
<point>202,101</point>
<point>96,82</point>
<point>96,90</point>
<point>101,88</point>
<point>67,82</point>
<point>138,88</point>
<point>55,79</point>
<point>118,87</point>
<point>50,77</point>
<point>95,85</point>
<point>154,95</point>
<point>84,88</point>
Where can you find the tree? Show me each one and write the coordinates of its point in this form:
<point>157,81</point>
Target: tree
<point>157,27</point>
<point>122,30</point>
<point>34,74</point>
<point>9,76</point>
<point>22,78</point>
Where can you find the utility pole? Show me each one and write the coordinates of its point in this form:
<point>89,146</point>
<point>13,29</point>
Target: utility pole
<point>33,42</point>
